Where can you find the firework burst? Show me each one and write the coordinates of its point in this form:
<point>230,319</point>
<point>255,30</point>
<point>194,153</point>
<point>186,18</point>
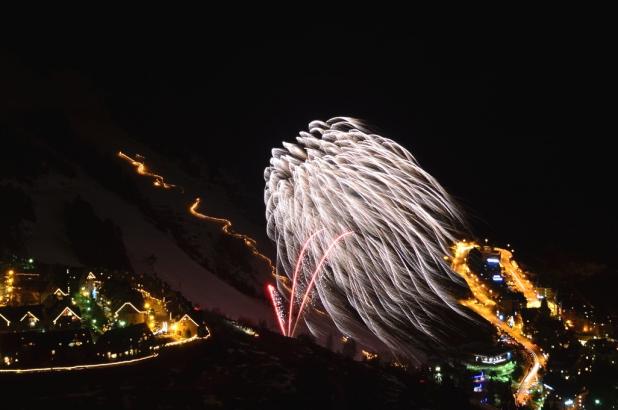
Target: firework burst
<point>387,285</point>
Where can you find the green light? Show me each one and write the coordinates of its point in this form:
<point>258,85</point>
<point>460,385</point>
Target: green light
<point>122,323</point>
<point>597,402</point>
<point>30,260</point>
<point>94,321</point>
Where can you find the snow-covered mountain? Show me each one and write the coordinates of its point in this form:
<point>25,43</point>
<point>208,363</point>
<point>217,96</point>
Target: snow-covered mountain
<point>65,152</point>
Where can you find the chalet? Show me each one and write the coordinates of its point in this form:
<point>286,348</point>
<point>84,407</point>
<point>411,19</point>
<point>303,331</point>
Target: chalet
<point>64,316</point>
<point>129,314</point>
<point>185,327</point>
<point>21,318</point>
<point>92,283</point>
<point>4,322</point>
<point>60,294</point>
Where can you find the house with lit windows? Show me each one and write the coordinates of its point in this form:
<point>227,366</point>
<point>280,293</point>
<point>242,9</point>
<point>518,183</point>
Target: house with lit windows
<point>21,318</point>
<point>185,327</point>
<point>129,314</point>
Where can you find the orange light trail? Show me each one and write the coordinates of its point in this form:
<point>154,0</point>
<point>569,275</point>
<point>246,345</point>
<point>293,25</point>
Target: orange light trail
<point>515,273</point>
<point>483,305</point>
<point>142,169</point>
<point>226,228</point>
<point>159,182</point>
<point>79,367</point>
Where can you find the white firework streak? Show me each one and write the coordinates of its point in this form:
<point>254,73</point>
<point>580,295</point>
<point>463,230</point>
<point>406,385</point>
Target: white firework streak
<point>387,285</point>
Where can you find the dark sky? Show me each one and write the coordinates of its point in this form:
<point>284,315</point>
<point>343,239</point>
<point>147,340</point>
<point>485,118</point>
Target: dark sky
<point>510,118</point>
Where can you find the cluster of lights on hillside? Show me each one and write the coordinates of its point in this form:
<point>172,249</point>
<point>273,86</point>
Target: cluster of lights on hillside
<point>483,304</point>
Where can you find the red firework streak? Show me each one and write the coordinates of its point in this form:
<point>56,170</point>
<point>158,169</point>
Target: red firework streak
<point>276,299</point>
<point>314,276</point>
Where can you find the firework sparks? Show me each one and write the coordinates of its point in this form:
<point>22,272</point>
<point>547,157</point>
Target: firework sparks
<point>388,285</point>
<point>278,306</point>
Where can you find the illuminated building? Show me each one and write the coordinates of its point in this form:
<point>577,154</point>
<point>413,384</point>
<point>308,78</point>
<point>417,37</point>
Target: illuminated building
<point>66,316</point>
<point>128,313</point>
<point>185,327</point>
<point>493,359</point>
<point>21,318</point>
<point>485,262</point>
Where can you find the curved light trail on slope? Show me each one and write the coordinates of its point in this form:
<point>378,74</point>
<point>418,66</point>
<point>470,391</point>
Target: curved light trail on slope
<point>226,228</point>
<point>514,272</point>
<point>159,181</point>
<point>484,305</point>
<point>142,169</point>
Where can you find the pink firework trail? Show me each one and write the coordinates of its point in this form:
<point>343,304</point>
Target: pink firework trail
<point>276,299</point>
<point>314,276</point>
<point>299,260</point>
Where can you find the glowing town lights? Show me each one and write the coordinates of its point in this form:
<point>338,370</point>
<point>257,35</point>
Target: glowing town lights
<point>481,305</point>
<point>513,272</point>
<point>388,283</point>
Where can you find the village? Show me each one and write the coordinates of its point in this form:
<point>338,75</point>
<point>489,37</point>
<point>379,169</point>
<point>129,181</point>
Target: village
<point>58,317</point>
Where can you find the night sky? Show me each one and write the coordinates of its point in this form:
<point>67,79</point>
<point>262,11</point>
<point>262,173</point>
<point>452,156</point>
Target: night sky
<point>510,118</point>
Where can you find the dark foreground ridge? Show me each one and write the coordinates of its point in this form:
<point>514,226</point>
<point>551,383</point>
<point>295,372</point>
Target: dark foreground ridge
<point>235,370</point>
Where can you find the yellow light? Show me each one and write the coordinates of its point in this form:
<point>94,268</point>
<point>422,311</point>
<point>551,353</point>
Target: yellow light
<point>146,305</point>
